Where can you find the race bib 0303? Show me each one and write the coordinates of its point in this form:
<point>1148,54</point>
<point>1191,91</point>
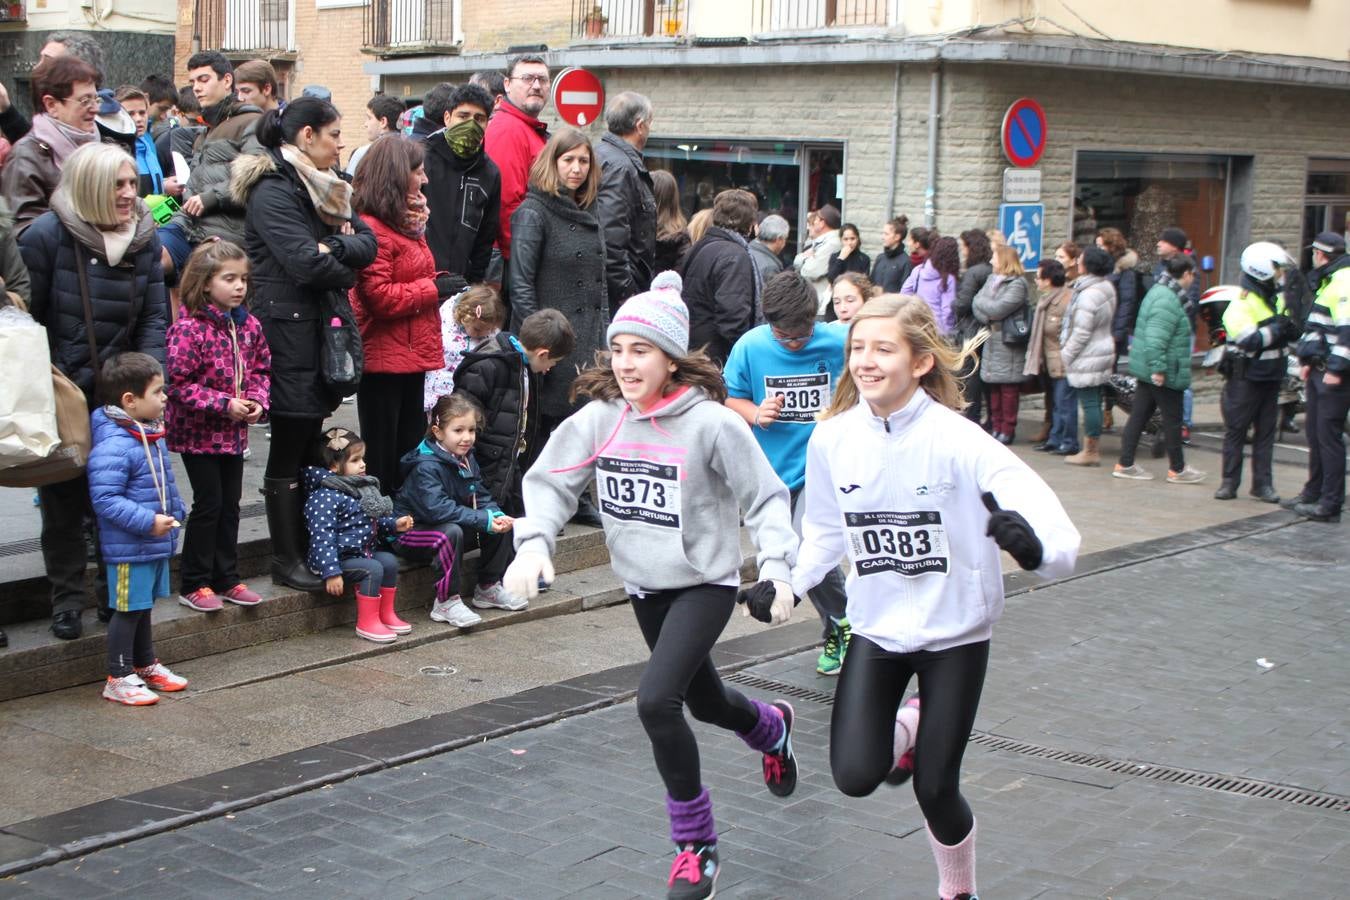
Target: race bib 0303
<point>638,490</point>
<point>906,543</point>
<point>803,395</point>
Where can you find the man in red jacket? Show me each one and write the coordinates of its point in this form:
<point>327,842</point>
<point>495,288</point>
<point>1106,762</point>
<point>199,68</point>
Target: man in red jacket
<point>515,135</point>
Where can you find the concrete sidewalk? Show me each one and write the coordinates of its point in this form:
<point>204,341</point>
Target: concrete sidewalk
<point>1112,699</point>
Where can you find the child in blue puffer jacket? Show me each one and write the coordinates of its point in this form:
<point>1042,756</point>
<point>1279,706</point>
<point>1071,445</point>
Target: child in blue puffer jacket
<point>348,519</point>
<point>443,491</point>
<point>138,508</point>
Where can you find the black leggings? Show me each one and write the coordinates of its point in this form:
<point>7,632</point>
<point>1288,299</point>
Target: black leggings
<point>389,408</point>
<point>293,445</point>
<point>862,727</point>
<point>1147,397</point>
<point>129,642</point>
<point>211,537</point>
<point>681,627</point>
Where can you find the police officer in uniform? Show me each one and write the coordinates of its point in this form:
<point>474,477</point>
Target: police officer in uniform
<point>1259,331</point>
<point>1324,353</point>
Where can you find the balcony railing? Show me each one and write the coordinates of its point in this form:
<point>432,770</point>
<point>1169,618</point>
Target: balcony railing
<point>596,19</point>
<point>244,26</point>
<point>804,15</point>
<point>13,11</point>
<point>410,25</point>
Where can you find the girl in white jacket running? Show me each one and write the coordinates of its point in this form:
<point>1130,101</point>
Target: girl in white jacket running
<point>910,490</point>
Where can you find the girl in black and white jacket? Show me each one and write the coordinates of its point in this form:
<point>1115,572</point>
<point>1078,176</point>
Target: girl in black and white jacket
<point>924,584</point>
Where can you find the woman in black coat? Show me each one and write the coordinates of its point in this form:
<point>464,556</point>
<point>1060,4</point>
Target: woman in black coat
<point>94,218</point>
<point>850,257</point>
<point>305,242</point>
<point>558,259</point>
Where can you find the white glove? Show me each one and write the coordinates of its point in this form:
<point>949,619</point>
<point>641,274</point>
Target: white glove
<point>783,602</point>
<point>522,576</point>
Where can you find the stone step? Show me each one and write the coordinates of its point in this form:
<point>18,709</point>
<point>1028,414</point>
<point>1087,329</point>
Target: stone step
<point>37,662</point>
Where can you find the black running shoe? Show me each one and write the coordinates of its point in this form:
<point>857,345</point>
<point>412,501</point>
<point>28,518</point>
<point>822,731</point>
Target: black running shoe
<point>693,875</point>
<point>780,768</point>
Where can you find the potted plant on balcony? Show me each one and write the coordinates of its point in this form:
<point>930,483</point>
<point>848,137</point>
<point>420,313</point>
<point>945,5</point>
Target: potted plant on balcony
<point>672,23</point>
<point>595,22</point>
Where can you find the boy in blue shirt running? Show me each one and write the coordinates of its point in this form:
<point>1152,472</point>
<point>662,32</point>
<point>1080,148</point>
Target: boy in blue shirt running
<point>779,376</point>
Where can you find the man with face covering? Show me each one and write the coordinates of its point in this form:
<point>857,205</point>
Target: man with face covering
<point>463,188</point>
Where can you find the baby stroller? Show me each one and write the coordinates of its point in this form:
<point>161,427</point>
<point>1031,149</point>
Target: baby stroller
<point>1120,391</point>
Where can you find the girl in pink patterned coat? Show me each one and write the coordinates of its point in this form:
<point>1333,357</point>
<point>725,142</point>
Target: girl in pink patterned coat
<point>219,372</point>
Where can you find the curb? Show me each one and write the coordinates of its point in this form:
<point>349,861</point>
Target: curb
<point>46,840</point>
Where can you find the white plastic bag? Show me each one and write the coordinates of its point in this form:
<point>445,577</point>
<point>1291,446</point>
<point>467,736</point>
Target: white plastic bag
<point>28,429</point>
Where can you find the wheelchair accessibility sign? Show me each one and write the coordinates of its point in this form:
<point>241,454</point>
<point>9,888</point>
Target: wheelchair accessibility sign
<point>1023,224</point>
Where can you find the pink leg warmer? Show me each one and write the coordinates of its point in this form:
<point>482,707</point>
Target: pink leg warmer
<point>906,728</point>
<point>956,865</point>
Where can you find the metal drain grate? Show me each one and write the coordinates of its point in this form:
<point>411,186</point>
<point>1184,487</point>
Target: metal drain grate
<point>779,687</point>
<point>1228,784</point>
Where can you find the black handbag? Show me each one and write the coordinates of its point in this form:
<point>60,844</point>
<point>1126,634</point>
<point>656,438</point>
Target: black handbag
<point>341,356</point>
<point>1017,327</point>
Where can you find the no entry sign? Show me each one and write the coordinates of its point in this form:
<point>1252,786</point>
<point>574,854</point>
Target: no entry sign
<point>578,96</point>
<point>1024,132</point>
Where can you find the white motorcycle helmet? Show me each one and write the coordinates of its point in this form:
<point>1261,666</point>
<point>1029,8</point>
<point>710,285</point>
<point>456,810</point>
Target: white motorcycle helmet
<point>1265,260</point>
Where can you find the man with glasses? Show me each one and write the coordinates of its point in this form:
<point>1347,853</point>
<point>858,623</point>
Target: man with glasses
<point>779,376</point>
<point>65,92</point>
<point>515,136</point>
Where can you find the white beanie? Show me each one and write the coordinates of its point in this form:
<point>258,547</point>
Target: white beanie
<point>659,316</point>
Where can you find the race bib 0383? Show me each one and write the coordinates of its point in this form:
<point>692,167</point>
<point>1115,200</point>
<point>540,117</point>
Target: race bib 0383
<point>906,543</point>
<point>638,490</point>
<point>803,395</point>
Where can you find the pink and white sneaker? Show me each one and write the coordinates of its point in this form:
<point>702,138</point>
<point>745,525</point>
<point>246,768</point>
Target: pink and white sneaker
<point>129,690</point>
<point>240,595</point>
<point>158,676</point>
<point>202,600</point>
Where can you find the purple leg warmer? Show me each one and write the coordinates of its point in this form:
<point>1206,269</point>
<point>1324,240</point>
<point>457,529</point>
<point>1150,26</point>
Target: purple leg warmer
<point>768,731</point>
<point>691,821</point>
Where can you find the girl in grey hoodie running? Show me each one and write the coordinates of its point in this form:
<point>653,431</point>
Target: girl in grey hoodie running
<point>674,470</point>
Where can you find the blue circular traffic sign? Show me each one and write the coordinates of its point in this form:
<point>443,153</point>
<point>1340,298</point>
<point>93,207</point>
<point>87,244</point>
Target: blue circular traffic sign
<point>1024,132</point>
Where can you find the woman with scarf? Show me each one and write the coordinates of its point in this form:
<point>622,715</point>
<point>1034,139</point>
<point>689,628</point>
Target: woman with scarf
<point>96,223</point>
<point>397,302</point>
<point>305,243</point>
<point>65,92</point>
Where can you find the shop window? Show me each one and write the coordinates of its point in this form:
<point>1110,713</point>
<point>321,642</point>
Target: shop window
<point>1143,193</point>
<point>1326,206</point>
<point>789,178</point>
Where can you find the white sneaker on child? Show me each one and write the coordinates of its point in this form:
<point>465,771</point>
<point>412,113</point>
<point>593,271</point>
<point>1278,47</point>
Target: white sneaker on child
<point>454,612</point>
<point>495,596</point>
<point>129,690</point>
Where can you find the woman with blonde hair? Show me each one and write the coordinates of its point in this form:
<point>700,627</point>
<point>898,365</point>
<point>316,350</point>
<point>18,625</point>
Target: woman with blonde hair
<point>698,225</point>
<point>558,262</point>
<point>925,589</point>
<point>1003,298</point>
<point>99,232</point>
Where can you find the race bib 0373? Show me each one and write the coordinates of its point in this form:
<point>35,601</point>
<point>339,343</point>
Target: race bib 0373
<point>638,490</point>
<point>906,543</point>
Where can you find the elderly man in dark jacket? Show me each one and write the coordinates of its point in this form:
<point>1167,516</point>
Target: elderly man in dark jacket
<point>464,187</point>
<point>626,205</point>
<point>721,288</point>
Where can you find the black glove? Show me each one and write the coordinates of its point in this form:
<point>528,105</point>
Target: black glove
<point>1012,533</point>
<point>759,598</point>
<point>449,285</point>
<point>1285,330</point>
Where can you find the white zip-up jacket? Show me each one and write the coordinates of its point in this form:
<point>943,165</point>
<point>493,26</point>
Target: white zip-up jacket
<point>901,497</point>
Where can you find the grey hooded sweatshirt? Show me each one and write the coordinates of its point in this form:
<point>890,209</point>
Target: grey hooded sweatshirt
<point>671,483</point>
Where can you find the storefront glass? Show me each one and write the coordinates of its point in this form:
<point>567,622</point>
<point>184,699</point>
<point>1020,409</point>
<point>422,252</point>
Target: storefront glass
<point>1327,205</point>
<point>1143,193</point>
<point>790,178</point>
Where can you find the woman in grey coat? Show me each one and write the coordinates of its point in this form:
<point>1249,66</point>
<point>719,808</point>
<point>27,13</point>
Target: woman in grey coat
<point>558,259</point>
<point>1087,347</point>
<point>1003,296</point>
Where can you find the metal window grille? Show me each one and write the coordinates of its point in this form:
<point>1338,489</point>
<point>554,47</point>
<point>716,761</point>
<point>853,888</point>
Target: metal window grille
<point>595,19</point>
<point>803,15</point>
<point>244,25</point>
<point>408,23</point>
